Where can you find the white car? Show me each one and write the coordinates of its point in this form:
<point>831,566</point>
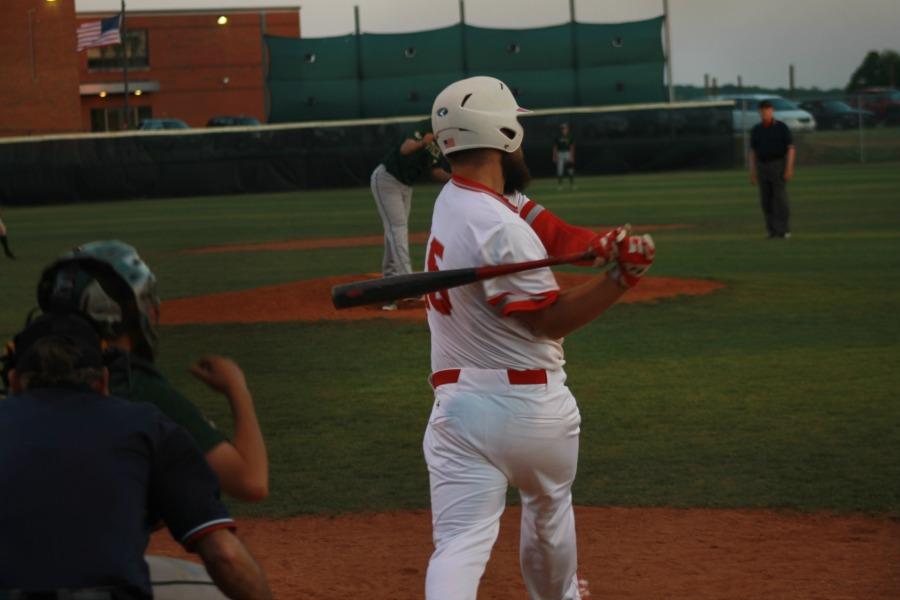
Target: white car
<point>786,111</point>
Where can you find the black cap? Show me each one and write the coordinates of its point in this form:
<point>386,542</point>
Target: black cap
<point>765,104</point>
<point>69,327</point>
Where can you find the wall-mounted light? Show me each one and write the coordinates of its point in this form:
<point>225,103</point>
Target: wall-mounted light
<point>50,1</point>
<point>138,92</point>
<point>103,94</point>
<point>223,20</point>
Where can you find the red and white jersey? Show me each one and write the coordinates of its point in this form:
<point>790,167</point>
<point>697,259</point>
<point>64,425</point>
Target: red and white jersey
<point>471,325</point>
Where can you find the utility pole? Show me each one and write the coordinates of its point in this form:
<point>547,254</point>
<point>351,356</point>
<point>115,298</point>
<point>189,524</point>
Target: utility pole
<point>573,24</point>
<point>357,38</point>
<point>124,34</point>
<point>667,33</point>
<point>462,33</point>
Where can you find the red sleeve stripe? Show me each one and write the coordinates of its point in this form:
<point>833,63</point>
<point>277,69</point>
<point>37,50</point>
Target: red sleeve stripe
<point>494,301</point>
<point>529,305</point>
<point>201,530</point>
<point>508,301</point>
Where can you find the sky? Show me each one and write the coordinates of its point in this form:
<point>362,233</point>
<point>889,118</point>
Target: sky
<point>825,40</point>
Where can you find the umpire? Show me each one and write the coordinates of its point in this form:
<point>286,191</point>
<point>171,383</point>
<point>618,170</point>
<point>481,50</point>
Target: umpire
<point>771,167</point>
<point>85,477</point>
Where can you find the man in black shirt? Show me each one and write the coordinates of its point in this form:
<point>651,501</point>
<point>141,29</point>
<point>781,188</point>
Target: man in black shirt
<point>771,167</point>
<point>86,476</point>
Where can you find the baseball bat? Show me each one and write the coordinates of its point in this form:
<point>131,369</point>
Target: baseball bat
<point>389,289</point>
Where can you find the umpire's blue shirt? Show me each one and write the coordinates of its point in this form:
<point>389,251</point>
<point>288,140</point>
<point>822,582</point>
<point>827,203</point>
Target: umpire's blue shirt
<point>83,478</point>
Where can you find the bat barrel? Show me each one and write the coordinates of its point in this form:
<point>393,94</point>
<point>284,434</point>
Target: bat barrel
<point>390,289</point>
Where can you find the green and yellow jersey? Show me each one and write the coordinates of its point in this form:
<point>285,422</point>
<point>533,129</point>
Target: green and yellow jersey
<point>135,379</point>
<point>412,167</point>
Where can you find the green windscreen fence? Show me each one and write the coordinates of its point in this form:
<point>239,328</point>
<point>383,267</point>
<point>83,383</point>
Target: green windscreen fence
<point>270,158</point>
<point>384,75</point>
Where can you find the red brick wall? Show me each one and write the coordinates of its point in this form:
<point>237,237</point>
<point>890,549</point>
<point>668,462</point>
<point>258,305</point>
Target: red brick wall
<point>191,56</point>
<point>39,96</point>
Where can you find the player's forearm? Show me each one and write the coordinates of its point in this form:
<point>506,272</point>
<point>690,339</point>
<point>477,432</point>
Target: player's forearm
<point>248,439</point>
<point>411,146</point>
<point>559,237</point>
<point>791,155</point>
<point>242,465</point>
<point>575,308</point>
<point>232,568</point>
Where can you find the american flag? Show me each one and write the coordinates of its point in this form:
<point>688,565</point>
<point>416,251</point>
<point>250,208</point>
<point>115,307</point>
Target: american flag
<point>100,33</point>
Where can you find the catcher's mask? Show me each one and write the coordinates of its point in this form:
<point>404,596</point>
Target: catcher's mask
<point>108,283</point>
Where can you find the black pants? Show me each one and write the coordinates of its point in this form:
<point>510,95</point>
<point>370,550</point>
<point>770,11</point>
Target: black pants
<point>773,196</point>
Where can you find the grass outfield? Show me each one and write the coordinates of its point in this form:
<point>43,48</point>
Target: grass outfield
<point>779,391</point>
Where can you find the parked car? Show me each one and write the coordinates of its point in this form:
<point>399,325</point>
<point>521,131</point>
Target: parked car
<point>883,101</point>
<point>158,124</point>
<point>786,111</point>
<point>836,114</point>
<point>227,121</point>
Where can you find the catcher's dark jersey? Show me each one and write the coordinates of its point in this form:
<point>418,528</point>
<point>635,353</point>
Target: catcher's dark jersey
<point>410,168</point>
<point>563,143</point>
<point>84,478</point>
<point>135,379</point>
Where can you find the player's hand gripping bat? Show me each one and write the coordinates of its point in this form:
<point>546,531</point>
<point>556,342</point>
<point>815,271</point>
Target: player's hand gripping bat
<point>388,289</point>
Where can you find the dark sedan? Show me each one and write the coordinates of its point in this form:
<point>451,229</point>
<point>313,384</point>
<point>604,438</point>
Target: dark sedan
<point>835,114</point>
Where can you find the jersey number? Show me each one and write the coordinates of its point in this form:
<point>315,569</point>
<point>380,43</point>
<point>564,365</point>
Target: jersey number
<point>439,301</point>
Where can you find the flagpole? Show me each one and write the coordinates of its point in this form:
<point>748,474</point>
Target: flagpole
<point>125,66</point>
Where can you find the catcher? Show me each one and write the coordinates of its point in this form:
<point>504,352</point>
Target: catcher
<point>107,282</point>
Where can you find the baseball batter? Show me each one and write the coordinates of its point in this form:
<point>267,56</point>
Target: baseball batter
<point>502,412</point>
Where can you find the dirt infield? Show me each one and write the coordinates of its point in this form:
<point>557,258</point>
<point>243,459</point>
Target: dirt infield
<point>625,553</point>
<point>310,300</point>
<point>369,240</point>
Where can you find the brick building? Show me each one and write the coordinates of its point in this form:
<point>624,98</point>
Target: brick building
<point>38,68</point>
<point>183,65</point>
<point>188,66</point>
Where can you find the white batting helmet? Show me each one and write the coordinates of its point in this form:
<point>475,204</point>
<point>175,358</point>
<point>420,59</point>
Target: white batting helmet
<point>478,112</point>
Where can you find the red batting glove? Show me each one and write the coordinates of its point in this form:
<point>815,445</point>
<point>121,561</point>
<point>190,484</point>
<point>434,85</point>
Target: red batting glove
<point>635,255</point>
<point>605,246</point>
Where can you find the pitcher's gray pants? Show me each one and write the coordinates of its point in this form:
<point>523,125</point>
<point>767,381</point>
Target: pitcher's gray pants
<point>773,197</point>
<point>394,200</point>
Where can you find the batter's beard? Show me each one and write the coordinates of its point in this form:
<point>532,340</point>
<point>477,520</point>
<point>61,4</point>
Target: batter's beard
<point>516,175</point>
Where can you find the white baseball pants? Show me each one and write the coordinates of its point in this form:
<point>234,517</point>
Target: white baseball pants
<point>484,434</point>
<point>563,164</point>
<point>394,201</point>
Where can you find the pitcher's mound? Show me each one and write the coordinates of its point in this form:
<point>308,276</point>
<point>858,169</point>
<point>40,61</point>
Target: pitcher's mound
<point>310,300</point>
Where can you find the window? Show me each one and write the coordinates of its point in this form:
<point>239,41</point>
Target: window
<point>113,119</point>
<point>782,104</point>
<point>109,58</point>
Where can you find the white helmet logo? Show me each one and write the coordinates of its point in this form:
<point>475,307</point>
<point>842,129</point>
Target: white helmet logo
<point>442,112</point>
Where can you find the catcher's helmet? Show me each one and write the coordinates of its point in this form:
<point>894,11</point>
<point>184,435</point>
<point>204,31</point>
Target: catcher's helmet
<point>478,112</point>
<point>109,283</point>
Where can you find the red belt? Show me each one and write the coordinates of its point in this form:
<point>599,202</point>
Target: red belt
<point>439,378</point>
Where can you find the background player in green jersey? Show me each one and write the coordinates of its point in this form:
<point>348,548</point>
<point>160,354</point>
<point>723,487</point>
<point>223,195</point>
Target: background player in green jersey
<point>564,156</point>
<point>414,159</point>
<point>4,242</point>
